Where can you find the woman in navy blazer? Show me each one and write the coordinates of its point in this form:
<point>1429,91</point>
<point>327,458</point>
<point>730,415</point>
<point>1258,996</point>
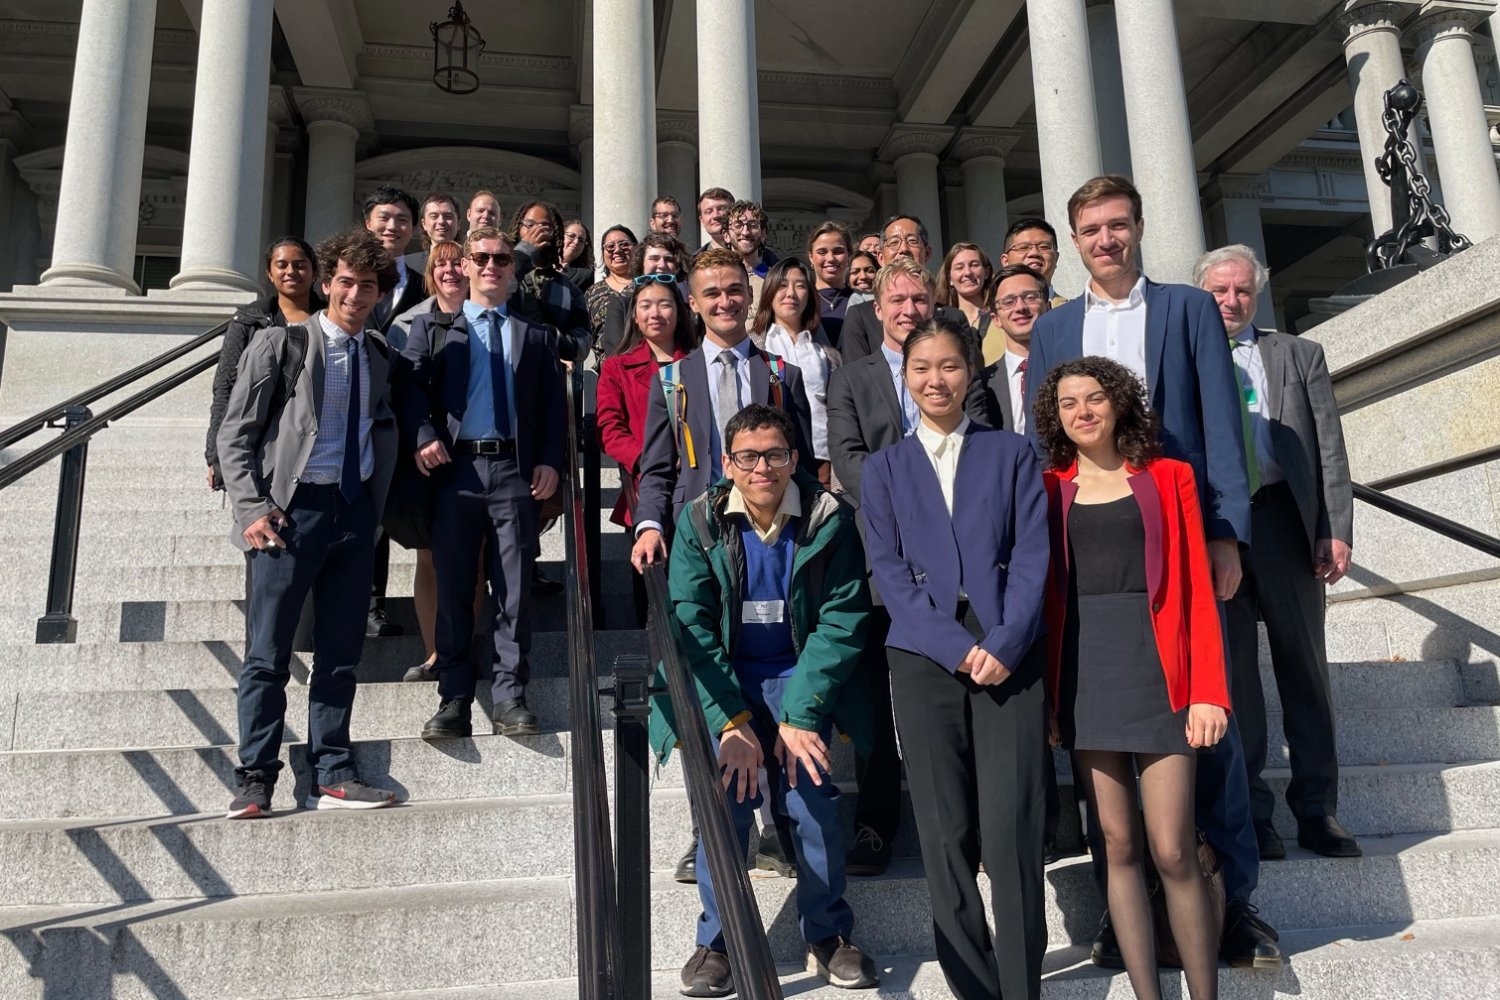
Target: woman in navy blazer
<point>956,530</point>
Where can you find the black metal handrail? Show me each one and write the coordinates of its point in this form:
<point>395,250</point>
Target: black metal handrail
<point>744,933</point>
<point>1461,533</point>
<point>593,865</point>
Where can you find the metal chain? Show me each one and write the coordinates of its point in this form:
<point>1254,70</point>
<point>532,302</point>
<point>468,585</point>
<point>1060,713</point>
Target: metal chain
<point>1399,169</point>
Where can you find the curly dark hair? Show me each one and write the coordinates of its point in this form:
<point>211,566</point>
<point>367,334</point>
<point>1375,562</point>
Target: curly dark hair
<point>554,218</point>
<point>362,252</point>
<point>1137,436</point>
<point>661,241</point>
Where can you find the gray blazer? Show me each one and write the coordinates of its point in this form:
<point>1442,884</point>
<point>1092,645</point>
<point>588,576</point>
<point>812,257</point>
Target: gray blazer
<point>262,464</point>
<point>1307,436</point>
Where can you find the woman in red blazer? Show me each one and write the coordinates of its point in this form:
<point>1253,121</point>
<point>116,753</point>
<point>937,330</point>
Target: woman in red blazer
<point>1136,677</point>
<point>660,331</point>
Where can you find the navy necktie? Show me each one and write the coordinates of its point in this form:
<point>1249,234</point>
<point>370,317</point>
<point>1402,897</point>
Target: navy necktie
<point>498,363</point>
<point>350,483</point>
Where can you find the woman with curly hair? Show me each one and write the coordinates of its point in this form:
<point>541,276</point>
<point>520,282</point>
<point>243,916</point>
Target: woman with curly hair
<point>1136,678</point>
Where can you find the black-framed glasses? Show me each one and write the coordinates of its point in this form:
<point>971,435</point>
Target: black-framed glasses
<point>747,460</point>
<point>481,259</point>
<point>666,215</point>
<point>746,225</point>
<point>660,277</point>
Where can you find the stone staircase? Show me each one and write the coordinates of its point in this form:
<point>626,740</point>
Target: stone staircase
<point>118,878</point>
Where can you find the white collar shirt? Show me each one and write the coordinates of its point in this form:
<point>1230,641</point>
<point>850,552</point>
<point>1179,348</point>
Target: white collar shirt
<point>1117,329</point>
<point>943,451</point>
<point>711,352</point>
<point>804,350</point>
<point>1013,379</point>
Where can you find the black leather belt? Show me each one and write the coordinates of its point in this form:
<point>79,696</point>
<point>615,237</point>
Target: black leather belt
<point>487,446</point>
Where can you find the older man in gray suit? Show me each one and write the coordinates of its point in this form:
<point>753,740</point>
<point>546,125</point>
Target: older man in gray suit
<point>307,447</point>
<point>1302,525</point>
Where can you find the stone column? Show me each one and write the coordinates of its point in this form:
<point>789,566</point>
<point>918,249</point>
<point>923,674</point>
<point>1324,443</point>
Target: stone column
<point>98,209</point>
<point>1372,50</point>
<point>914,149</point>
<point>728,101</point>
<point>624,113</point>
<point>581,134</point>
<point>227,167</point>
<point>14,250</point>
<point>1156,102</point>
<point>1235,201</point>
<point>677,166</point>
<point>1067,123</point>
<point>335,119</point>
<point>1109,90</point>
<point>982,154</point>
<point>1455,111</point>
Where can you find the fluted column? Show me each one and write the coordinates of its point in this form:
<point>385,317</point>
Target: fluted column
<point>227,161</point>
<point>624,113</point>
<point>914,149</point>
<point>728,101</point>
<point>1156,110</point>
<point>1455,112</point>
<point>1372,50</point>
<point>1109,90</point>
<point>1067,124</point>
<point>98,208</point>
<point>982,152</point>
<point>677,165</point>
<point>335,119</point>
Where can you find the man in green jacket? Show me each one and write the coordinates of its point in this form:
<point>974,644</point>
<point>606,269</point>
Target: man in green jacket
<point>767,577</point>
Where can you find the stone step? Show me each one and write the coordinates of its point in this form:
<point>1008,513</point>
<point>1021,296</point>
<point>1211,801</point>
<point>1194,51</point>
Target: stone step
<point>1444,623</point>
<point>1400,880</point>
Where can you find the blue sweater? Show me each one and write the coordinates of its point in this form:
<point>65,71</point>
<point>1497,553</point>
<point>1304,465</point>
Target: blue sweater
<point>765,648</point>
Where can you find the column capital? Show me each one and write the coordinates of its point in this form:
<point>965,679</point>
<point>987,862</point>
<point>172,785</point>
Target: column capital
<point>908,140</point>
<point>1438,18</point>
<point>580,123</point>
<point>1358,17</point>
<point>677,126</point>
<point>992,142</point>
<point>326,104</point>
<point>279,108</point>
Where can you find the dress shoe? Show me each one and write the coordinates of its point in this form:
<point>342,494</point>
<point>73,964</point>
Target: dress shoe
<point>378,626</point>
<point>1270,843</point>
<point>513,718</point>
<point>452,722</point>
<point>421,673</point>
<point>1106,950</point>
<point>1049,851</point>
<point>1248,941</point>
<point>687,867</point>
<point>543,584</point>
<point>870,853</point>
<point>1323,835</point>
<point>771,855</point>
<point>707,974</point>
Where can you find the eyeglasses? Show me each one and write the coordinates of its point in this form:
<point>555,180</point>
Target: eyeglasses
<point>660,277</point>
<point>572,238</point>
<point>1030,298</point>
<point>745,225</point>
<point>1029,247</point>
<point>623,246</point>
<point>481,259</point>
<point>666,215</point>
<point>914,241</point>
<point>776,458</point>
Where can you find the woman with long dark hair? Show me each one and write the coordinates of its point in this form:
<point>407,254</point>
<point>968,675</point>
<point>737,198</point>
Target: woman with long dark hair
<point>1137,674</point>
<point>617,250</point>
<point>578,254</point>
<point>787,324</point>
<point>828,250</point>
<point>863,266</point>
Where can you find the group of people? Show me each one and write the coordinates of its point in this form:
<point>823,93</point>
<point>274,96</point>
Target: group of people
<point>956,520</point>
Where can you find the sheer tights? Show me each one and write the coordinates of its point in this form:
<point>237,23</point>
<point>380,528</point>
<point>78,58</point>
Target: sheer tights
<point>1166,798</point>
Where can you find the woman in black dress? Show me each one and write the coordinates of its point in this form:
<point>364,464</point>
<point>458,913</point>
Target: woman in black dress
<point>1137,680</point>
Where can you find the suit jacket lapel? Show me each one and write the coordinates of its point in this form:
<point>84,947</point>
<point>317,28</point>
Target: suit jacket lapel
<point>1156,335</point>
<point>693,377</point>
<point>379,376</point>
<point>316,346</point>
<point>1273,357</point>
<point>880,373</point>
<point>760,378</point>
<point>1002,394</point>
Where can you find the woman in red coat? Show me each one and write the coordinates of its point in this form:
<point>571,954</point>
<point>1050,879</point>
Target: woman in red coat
<point>660,331</point>
<point>1137,679</point>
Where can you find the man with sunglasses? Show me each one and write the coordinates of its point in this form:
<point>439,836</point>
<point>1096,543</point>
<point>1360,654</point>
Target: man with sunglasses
<point>768,585</point>
<point>487,411</point>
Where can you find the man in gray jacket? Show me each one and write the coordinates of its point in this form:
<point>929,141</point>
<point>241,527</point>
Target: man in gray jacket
<point>307,447</point>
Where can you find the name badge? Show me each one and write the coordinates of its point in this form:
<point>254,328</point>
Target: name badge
<point>1251,396</point>
<point>764,612</point>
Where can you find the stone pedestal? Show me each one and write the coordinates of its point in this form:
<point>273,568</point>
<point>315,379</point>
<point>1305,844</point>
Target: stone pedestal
<point>728,101</point>
<point>624,114</point>
<point>335,119</point>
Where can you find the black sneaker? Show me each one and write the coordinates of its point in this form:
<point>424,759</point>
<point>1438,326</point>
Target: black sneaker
<point>421,673</point>
<point>252,800</point>
<point>841,964</point>
<point>377,626</point>
<point>513,718</point>
<point>351,794</point>
<point>454,721</point>
<point>771,855</point>
<point>870,853</point>
<point>707,974</point>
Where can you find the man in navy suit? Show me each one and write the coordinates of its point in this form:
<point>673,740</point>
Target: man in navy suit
<point>487,411</point>
<point>1173,338</point>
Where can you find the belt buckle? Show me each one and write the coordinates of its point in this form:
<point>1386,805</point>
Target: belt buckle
<point>489,446</point>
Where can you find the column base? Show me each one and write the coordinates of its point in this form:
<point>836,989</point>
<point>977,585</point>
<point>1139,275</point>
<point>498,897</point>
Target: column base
<point>90,276</point>
<point>213,280</point>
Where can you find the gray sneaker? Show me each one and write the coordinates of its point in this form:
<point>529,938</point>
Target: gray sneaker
<point>841,964</point>
<point>351,794</point>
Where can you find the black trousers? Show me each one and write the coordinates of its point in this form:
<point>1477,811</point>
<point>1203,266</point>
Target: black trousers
<point>1280,589</point>
<point>975,761</point>
<point>879,773</point>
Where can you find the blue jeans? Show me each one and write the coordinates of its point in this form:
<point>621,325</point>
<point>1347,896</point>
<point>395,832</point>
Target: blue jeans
<point>330,553</point>
<point>817,831</point>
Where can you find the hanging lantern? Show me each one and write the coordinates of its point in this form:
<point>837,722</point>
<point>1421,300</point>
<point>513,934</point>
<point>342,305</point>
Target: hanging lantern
<point>456,47</point>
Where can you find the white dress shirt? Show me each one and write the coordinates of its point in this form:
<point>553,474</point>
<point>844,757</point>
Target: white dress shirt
<point>1117,329</point>
<point>810,355</point>
<point>943,451</point>
<point>1250,368</point>
<point>907,405</point>
<point>1017,397</point>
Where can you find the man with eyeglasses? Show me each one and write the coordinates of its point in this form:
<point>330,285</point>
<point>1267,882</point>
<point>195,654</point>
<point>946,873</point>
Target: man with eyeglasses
<point>748,226</point>
<point>658,256</point>
<point>1032,242</point>
<point>543,293</point>
<point>902,236</point>
<point>1018,299</point>
<point>487,411</point>
<point>768,586</point>
<point>666,216</point>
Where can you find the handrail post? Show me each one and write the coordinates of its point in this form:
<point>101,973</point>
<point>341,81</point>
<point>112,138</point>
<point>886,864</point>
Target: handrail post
<point>58,624</point>
<point>632,679</point>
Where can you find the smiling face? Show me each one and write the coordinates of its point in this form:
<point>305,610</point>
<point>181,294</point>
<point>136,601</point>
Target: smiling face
<point>440,220</point>
<point>658,260</point>
<point>937,376</point>
<point>903,238</point>
<point>862,271</point>
<point>483,211</point>
<point>762,486</point>
<point>666,218</point>
<point>1232,284</point>
<point>1018,302</point>
<point>746,234</point>
<point>616,248</point>
<point>1085,411</point>
<point>713,214</point>
<point>351,296</point>
<point>1108,238</point>
<point>904,305</point>
<point>656,314</point>
<point>791,299</point>
<point>290,272</point>
<point>1036,248</point>
<point>574,239</point>
<point>721,297</point>
<point>967,275</point>
<point>830,260</point>
<point>392,225</point>
<point>451,279</point>
<point>489,282</point>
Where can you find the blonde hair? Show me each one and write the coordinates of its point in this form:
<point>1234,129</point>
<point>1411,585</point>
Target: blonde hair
<point>899,267</point>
